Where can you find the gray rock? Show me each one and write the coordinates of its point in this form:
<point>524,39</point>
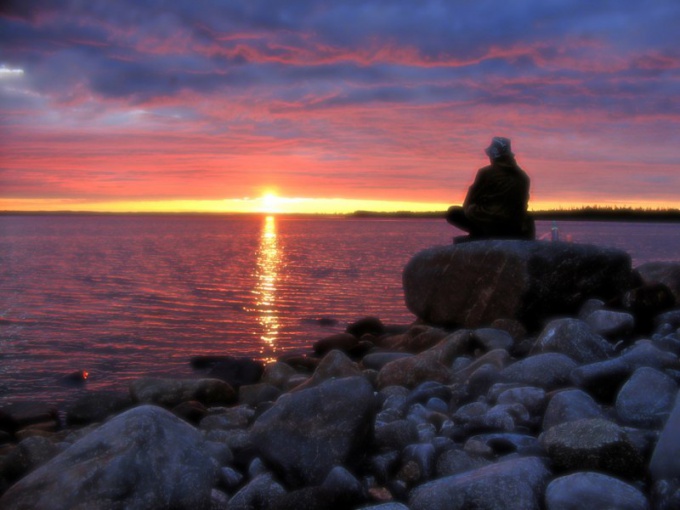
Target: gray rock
<point>548,371</point>
<point>341,481</point>
<point>144,458</point>
<point>646,399</point>
<point>422,455</point>
<point>377,360</point>
<point>604,379</point>
<point>504,443</point>
<point>519,482</point>
<point>254,394</point>
<point>453,462</point>
<point>589,307</point>
<point>261,492</point>
<point>277,374</point>
<point>533,399</point>
<point>610,323</point>
<point>386,506</point>
<point>575,339</point>
<point>492,338</point>
<point>473,284</point>
<point>172,392</point>
<point>395,435</point>
<point>227,418</point>
<point>593,490</point>
<point>412,371</point>
<point>230,478</point>
<point>308,432</point>
<point>570,405</point>
<point>592,444</point>
<point>665,462</point>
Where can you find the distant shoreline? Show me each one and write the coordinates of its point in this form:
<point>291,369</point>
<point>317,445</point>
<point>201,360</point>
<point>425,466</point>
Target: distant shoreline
<point>583,214</point>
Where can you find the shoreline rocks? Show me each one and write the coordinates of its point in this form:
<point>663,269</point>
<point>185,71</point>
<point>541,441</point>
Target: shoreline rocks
<point>578,412</point>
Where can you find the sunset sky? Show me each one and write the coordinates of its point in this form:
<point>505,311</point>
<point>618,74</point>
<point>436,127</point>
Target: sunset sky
<point>333,106</point>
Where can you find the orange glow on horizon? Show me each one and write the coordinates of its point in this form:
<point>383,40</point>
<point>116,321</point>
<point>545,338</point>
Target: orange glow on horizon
<point>270,203</point>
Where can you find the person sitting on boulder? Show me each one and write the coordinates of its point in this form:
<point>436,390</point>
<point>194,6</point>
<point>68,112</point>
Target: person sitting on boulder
<point>496,203</point>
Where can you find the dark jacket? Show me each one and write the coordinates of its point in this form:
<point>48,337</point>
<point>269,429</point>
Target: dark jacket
<point>496,203</point>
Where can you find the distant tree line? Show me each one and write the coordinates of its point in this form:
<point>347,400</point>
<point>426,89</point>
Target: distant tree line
<point>587,213</point>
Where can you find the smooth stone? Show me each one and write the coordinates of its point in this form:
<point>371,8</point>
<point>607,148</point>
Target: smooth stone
<point>665,461</point>
<point>588,489</point>
<point>366,325</point>
<point>386,506</point>
<point>570,405</point>
<point>415,340</point>
<point>143,458</point>
<point>254,394</point>
<point>453,462</point>
<point>261,492</point>
<point>341,341</point>
<point>412,371</point>
<point>575,339</point>
<point>423,456</point>
<point>230,478</point>
<point>519,482</point>
<point>646,399</point>
<point>227,418</point>
<point>334,365</point>
<point>532,398</point>
<point>277,374</point>
<point>307,433</point>
<point>96,406</point>
<point>592,444</point>
<point>395,435</point>
<point>377,360</point>
<point>341,481</point>
<point>504,443</point>
<point>610,323</point>
<point>588,307</point>
<point>548,371</point>
<point>172,392</point>
<point>482,379</point>
<point>492,338</point>
<point>498,358</point>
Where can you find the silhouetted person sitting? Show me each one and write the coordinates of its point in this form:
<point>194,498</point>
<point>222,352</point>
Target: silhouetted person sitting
<point>496,203</point>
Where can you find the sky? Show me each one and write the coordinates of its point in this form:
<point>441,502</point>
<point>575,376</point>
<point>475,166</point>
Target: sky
<point>334,106</point>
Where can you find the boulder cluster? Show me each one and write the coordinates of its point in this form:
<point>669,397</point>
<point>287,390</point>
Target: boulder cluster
<point>581,412</point>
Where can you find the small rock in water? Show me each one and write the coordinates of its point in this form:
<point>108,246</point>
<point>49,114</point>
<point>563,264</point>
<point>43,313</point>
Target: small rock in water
<point>75,379</point>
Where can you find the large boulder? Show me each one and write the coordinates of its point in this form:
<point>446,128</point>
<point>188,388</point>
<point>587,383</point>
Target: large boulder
<point>145,458</point>
<point>308,432</point>
<point>473,284</point>
<point>518,482</point>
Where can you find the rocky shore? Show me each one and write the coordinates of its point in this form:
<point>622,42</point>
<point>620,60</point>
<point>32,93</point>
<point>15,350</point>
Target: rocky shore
<point>538,375</point>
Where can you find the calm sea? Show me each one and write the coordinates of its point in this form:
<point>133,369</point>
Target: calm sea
<point>126,296</point>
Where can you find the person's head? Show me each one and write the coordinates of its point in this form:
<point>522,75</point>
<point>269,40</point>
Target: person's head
<point>499,148</point>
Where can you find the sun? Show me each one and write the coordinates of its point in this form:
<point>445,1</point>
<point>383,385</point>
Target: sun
<point>270,203</point>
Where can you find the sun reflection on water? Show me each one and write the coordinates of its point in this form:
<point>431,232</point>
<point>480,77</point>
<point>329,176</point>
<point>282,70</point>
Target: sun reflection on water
<point>268,264</point>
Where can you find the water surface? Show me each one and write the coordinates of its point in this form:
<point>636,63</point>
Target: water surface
<point>125,296</point>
